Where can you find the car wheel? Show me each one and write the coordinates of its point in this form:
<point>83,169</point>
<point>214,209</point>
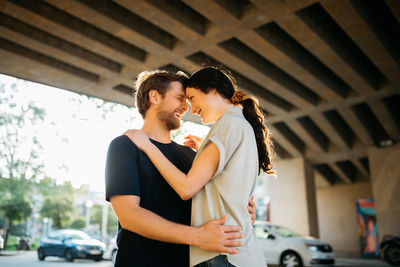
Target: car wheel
<point>69,255</point>
<point>114,255</point>
<point>392,255</point>
<point>291,259</point>
<point>41,255</point>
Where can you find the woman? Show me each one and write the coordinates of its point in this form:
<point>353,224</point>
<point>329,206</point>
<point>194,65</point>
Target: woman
<point>224,172</point>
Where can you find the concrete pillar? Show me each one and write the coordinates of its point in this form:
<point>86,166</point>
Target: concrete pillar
<point>337,216</point>
<point>293,200</point>
<point>385,178</point>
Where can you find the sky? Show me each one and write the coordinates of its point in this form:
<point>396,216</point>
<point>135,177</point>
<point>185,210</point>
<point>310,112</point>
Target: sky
<point>76,132</point>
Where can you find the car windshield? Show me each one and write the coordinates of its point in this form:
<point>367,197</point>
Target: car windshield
<point>261,232</point>
<point>283,231</point>
<point>76,235</point>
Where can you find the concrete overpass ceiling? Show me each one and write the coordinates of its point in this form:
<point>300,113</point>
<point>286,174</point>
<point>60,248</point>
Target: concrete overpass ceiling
<point>327,72</point>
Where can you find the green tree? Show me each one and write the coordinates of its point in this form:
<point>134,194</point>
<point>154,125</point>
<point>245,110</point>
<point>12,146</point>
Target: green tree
<point>112,221</point>
<point>16,120</point>
<point>58,201</point>
<point>20,162</point>
<point>57,209</point>
<point>78,223</point>
<point>15,209</point>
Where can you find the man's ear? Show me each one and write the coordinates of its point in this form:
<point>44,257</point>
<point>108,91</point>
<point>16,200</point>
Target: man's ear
<point>154,97</point>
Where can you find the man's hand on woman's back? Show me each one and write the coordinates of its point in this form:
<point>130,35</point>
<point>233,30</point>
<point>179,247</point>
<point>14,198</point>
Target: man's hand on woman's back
<point>215,236</point>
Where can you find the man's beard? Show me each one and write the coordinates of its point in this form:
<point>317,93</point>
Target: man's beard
<point>171,122</point>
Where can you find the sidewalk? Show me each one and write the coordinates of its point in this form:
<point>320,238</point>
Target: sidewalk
<point>13,252</point>
<point>360,262</point>
<point>353,262</point>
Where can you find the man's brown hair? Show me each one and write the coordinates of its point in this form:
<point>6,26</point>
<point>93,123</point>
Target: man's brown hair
<point>158,80</point>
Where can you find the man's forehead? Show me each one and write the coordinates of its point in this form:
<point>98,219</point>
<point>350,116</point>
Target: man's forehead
<point>176,88</point>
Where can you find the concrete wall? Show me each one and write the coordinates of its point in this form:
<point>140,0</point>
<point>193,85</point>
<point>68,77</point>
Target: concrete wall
<point>385,178</point>
<point>293,197</point>
<point>337,216</point>
<point>292,200</point>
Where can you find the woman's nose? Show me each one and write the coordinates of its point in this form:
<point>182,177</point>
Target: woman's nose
<point>192,109</point>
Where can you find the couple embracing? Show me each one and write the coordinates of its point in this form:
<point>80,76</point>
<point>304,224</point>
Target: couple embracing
<point>176,207</point>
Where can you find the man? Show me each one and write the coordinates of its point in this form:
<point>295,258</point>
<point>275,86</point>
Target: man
<point>153,219</point>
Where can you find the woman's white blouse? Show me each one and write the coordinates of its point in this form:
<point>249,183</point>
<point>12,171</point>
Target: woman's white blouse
<point>228,191</point>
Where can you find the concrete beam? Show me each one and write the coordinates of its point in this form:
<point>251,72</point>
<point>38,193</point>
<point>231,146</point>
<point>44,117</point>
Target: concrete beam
<point>350,21</point>
<point>313,43</point>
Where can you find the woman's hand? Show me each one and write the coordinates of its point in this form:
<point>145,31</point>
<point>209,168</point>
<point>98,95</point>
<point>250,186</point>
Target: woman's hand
<point>251,207</point>
<point>193,141</point>
<point>140,139</point>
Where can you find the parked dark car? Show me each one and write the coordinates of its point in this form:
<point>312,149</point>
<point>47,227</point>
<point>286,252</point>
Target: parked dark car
<point>390,249</point>
<point>71,244</point>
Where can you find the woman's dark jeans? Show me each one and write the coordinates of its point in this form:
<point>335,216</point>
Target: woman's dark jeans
<point>219,261</point>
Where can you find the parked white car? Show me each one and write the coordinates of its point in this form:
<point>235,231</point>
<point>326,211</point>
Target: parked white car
<point>112,249</point>
<point>282,246</point>
<point>1,242</point>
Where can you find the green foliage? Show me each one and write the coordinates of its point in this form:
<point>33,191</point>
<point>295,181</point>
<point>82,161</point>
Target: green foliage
<point>15,120</point>
<point>101,106</point>
<point>45,186</point>
<point>10,187</point>
<point>19,229</point>
<point>14,205</point>
<point>58,204</point>
<point>2,222</point>
<point>16,208</point>
<point>12,243</point>
<point>78,223</point>
<point>49,188</point>
<point>96,216</point>
<point>112,221</point>
<point>58,209</point>
<point>19,166</point>
<point>35,243</point>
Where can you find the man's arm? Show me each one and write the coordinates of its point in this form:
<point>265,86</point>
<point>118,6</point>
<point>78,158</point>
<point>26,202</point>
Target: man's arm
<point>212,235</point>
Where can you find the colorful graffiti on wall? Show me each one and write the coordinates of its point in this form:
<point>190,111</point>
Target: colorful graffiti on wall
<point>367,227</point>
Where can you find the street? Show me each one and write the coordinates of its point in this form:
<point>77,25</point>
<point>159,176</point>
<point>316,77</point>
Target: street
<point>29,259</point>
<point>349,262</point>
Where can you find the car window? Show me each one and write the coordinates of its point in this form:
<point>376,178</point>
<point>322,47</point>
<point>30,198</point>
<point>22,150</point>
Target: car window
<point>76,235</point>
<point>261,232</point>
<point>51,236</point>
<point>283,231</point>
<point>55,235</point>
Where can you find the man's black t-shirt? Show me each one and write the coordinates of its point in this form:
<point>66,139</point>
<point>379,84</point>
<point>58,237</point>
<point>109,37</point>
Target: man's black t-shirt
<point>130,172</point>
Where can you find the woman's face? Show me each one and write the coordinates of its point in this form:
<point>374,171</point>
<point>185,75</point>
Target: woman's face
<point>202,104</point>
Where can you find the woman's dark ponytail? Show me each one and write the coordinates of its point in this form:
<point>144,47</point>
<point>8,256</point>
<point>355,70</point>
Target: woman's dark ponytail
<point>255,117</point>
